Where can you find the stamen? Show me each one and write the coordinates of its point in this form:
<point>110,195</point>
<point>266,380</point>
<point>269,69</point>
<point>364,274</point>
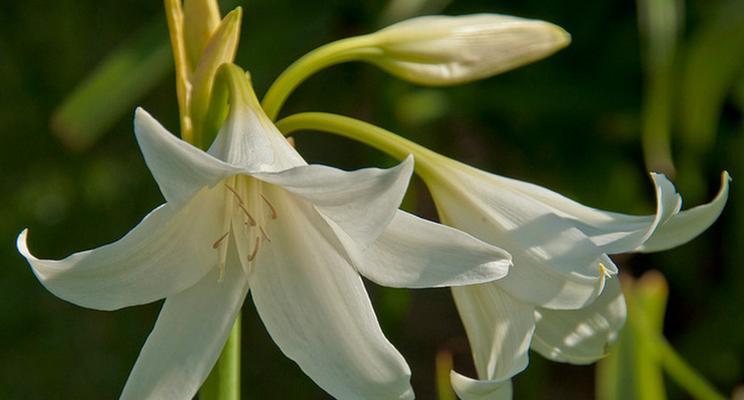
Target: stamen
<point>604,271</point>
<point>264,234</point>
<point>240,199</point>
<point>271,207</point>
<point>255,249</point>
<point>251,220</point>
<point>217,243</point>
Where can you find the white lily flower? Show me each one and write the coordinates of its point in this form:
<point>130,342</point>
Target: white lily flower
<point>447,50</point>
<point>250,214</point>
<point>549,299</point>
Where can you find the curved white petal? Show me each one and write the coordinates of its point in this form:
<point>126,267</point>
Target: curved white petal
<point>188,337</point>
<point>248,139</point>
<point>581,336</point>
<point>168,251</point>
<point>555,264</point>
<point>618,233</point>
<point>314,305</point>
<point>499,329</point>
<point>361,202</point>
<point>688,224</point>
<point>179,168</point>
<point>472,389</point>
<point>415,253</point>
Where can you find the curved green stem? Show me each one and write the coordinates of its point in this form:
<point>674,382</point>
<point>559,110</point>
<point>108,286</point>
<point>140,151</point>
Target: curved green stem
<point>223,383</point>
<point>366,133</point>
<point>682,373</point>
<point>351,49</point>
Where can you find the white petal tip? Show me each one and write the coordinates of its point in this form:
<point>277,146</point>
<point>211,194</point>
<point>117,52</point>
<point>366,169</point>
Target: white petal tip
<point>140,112</point>
<point>141,119</point>
<point>561,37</point>
<point>21,243</point>
<point>725,177</point>
<point>407,164</point>
<point>473,389</point>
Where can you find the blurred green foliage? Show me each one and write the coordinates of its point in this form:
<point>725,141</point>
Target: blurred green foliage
<point>571,123</point>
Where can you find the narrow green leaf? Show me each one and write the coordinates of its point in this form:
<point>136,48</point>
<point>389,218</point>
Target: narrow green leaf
<point>632,369</point>
<point>646,315</point>
<point>113,88</point>
<point>714,61</point>
<point>659,22</point>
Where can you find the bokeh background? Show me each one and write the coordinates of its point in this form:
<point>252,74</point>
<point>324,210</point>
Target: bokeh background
<point>575,122</point>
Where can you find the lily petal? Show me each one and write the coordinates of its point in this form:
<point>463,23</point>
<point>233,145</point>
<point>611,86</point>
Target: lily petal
<point>415,253</point>
<point>188,336</point>
<point>472,389</point>
<point>361,202</point>
<point>581,336</point>
<point>555,264</point>
<point>169,251</point>
<point>619,233</point>
<point>247,143</point>
<point>499,329</point>
<point>249,139</point>
<point>179,168</point>
<point>314,305</point>
<point>688,224</point>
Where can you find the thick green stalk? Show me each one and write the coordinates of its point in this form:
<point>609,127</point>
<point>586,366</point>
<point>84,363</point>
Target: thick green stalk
<point>351,49</point>
<point>223,382</point>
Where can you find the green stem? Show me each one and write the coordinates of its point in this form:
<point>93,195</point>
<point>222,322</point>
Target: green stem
<point>351,49</point>
<point>682,373</point>
<point>366,133</point>
<point>223,383</point>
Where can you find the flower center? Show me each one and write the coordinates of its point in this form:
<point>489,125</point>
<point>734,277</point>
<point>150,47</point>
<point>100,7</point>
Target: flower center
<point>248,212</point>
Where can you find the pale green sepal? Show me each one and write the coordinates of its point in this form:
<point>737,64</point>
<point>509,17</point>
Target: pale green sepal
<point>220,49</point>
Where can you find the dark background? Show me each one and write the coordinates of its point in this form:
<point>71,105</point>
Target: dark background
<point>570,123</point>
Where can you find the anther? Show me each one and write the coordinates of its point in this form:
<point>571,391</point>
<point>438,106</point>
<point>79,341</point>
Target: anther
<point>251,221</point>
<point>240,200</point>
<point>264,234</point>
<point>217,242</point>
<point>271,207</point>
<point>604,271</point>
<point>255,249</point>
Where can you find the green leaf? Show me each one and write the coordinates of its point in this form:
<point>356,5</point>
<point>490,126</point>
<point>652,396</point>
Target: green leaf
<point>659,22</point>
<point>116,85</point>
<point>714,61</point>
<point>646,321</point>
<point>632,369</point>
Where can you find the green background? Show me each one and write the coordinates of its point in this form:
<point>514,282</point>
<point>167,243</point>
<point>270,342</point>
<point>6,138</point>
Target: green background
<point>571,123</point>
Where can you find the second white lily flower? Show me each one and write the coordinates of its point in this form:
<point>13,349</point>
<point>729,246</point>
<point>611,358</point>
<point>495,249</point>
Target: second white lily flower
<point>250,214</point>
<point>549,301</point>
